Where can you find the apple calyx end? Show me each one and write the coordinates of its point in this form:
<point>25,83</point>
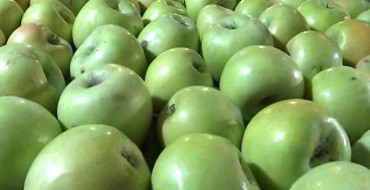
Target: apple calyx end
<point>321,154</point>
<point>127,153</point>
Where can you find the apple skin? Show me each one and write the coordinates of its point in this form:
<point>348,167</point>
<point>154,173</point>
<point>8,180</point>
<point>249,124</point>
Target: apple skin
<point>337,175</point>
<point>24,4</point>
<point>109,44</point>
<point>361,150</point>
<point>25,128</point>
<point>99,12</point>
<point>187,164</point>
<point>227,36</point>
<point>89,157</point>
<point>321,14</point>
<point>13,13</point>
<point>173,70</point>
<point>283,22</point>
<point>344,93</point>
<point>257,76</point>
<point>293,3</point>
<point>364,66</point>
<point>299,135</point>
<point>30,73</point>
<point>364,16</point>
<point>252,8</point>
<point>194,6</point>
<point>161,7</point>
<point>2,38</point>
<point>74,5</point>
<point>108,94</point>
<point>166,32</point>
<point>53,14</point>
<point>144,4</point>
<point>210,112</point>
<point>40,36</point>
<point>353,7</point>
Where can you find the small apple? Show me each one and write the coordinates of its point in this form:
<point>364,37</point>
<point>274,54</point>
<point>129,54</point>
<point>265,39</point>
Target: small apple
<point>93,157</point>
<point>338,175</point>
<point>364,16</point>
<point>160,7</point>
<point>109,44</point>
<point>13,13</point>
<point>353,7</point>
<point>196,162</point>
<point>361,150</point>
<point>288,138</point>
<point>209,15</point>
<point>194,6</point>
<point>173,70</point>
<point>25,128</point>
<point>252,8</point>
<point>108,94</point>
<point>257,76</point>
<point>74,5</point>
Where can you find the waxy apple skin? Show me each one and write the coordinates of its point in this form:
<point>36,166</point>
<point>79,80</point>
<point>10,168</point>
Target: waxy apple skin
<point>288,138</point>
<point>93,157</point>
<point>195,6</point>
<point>252,8</point>
<point>364,16</point>
<point>25,128</point>
<point>209,15</point>
<point>161,7</point>
<point>13,13</point>
<point>361,150</point>
<point>74,5</point>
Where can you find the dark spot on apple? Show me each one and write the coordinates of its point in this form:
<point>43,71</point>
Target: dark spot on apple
<point>367,60</point>
<point>321,154</point>
<point>170,109</point>
<point>128,154</point>
<point>329,6</point>
<point>181,19</point>
<point>353,78</point>
<point>144,43</point>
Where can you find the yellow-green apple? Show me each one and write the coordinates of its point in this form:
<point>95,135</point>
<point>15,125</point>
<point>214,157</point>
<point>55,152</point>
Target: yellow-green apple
<point>227,36</point>
<point>23,3</point>
<point>288,138</point>
<point>93,157</point>
<point>40,36</point>
<point>160,7</point>
<point>361,150</point>
<point>364,15</point>
<point>283,22</point>
<point>166,32</point>
<point>257,76</point>
<point>194,6</point>
<point>109,44</point>
<point>321,14</point>
<point>108,94</point>
<point>25,128</point>
<point>173,70</point>
<point>252,8</point>
<point>353,37</point>
<point>30,73</point>
<point>195,161</point>
<point>344,93</point>
<point>11,15</point>
<point>293,3</point>
<point>337,175</point>
<point>74,5</point>
<point>53,14</point>
<point>200,109</point>
<point>99,12</point>
<point>353,7</point>
<point>364,65</point>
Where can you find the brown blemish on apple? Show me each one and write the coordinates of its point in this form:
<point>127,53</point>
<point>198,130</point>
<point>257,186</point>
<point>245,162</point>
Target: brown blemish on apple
<point>320,154</point>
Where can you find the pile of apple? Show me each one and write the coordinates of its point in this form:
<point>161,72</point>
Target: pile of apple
<point>184,94</point>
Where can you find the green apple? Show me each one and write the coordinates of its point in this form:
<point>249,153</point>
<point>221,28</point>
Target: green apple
<point>202,161</point>
<point>173,70</point>
<point>209,15</point>
<point>364,16</point>
<point>23,3</point>
<point>293,3</point>
<point>252,8</point>
<point>321,14</point>
<point>257,76</point>
<point>53,14</point>
<point>194,6</point>
<point>288,138</point>
<point>361,150</point>
<point>74,5</point>
<point>338,175</point>
<point>109,44</point>
<point>30,73</point>
<point>108,94</point>
<point>227,36</point>
<point>93,157</point>
<point>25,128</point>
<point>353,7</point>
<point>13,13</point>
<point>364,65</point>
<point>283,22</point>
<point>344,93</point>
<point>144,4</point>
<point>99,12</point>
<point>166,32</point>
<point>40,36</point>
<point>199,109</point>
<point>160,7</point>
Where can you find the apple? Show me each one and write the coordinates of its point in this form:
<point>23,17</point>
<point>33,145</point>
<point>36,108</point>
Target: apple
<point>74,5</point>
<point>353,7</point>
<point>53,14</point>
<point>321,14</point>
<point>344,93</point>
<point>25,128</point>
<point>283,22</point>
<point>166,32</point>
<point>24,4</point>
<point>13,13</point>
<point>364,65</point>
<point>194,6</point>
<point>144,4</point>
<point>364,16</point>
<point>40,36</point>
<point>99,12</point>
<point>288,138</point>
<point>257,76</point>
<point>338,175</point>
<point>108,94</point>
<point>227,36</point>
<point>173,70</point>
<point>90,157</point>
<point>252,8</point>
<point>361,150</point>
<point>160,7</point>
<point>30,73</point>
<point>293,3</point>
<point>195,161</point>
<point>109,44</point>
<point>200,109</point>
